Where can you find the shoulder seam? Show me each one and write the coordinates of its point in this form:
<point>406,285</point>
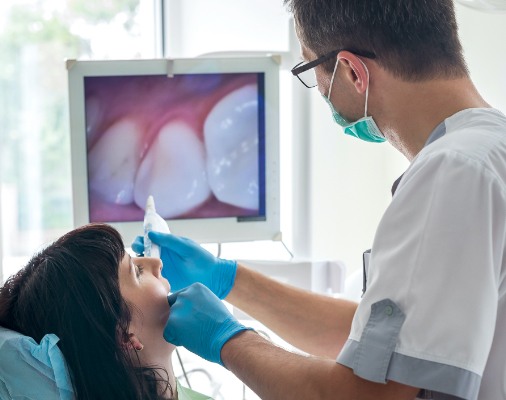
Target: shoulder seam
<point>468,160</point>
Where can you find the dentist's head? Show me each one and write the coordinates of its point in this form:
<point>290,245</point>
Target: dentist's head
<point>412,39</point>
<point>103,305</point>
<point>387,69</point>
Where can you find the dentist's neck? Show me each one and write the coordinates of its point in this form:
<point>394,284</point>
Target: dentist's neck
<point>408,112</point>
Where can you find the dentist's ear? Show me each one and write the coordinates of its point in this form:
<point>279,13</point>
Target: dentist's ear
<point>356,70</point>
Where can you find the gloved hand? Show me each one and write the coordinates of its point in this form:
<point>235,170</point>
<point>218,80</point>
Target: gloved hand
<point>199,321</point>
<point>186,262</point>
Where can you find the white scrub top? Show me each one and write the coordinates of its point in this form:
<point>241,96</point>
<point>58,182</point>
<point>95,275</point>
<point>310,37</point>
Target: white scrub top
<point>434,312</point>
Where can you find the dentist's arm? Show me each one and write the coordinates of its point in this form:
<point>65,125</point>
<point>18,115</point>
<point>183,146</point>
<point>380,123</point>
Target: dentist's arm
<point>314,323</point>
<point>199,321</point>
<point>275,374</point>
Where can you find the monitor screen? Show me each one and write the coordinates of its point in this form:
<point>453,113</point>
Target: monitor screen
<point>200,135</point>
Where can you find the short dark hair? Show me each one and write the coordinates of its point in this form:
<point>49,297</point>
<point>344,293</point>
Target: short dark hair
<point>71,289</point>
<point>413,39</point>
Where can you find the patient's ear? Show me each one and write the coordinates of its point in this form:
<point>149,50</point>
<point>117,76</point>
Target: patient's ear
<point>132,342</point>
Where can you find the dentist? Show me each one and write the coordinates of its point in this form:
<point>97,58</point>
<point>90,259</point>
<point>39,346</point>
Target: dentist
<point>432,321</point>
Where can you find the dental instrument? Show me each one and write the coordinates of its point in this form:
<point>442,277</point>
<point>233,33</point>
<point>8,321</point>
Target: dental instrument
<point>152,222</point>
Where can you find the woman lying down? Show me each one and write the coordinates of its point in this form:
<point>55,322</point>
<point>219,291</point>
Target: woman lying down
<point>108,310</point>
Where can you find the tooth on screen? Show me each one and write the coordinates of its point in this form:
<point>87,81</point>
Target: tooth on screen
<point>93,115</point>
<point>113,162</point>
<point>231,138</point>
<point>173,171</point>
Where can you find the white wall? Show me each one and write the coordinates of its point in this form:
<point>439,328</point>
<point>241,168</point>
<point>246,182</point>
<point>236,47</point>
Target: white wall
<point>351,183</point>
<point>201,26</point>
<point>483,37</point>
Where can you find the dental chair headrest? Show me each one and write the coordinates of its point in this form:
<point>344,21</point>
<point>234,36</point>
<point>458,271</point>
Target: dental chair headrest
<point>32,371</point>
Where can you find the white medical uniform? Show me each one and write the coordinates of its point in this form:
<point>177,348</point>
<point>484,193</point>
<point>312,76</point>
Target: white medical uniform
<point>434,312</point>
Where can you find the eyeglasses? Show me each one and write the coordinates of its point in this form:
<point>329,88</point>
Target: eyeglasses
<point>305,72</point>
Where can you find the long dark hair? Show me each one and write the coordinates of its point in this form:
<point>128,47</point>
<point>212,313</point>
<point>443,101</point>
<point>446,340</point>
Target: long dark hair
<point>71,289</point>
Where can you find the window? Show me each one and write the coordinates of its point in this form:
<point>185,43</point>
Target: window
<point>36,36</point>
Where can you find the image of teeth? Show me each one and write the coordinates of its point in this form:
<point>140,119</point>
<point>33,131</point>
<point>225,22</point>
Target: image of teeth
<point>231,139</point>
<point>173,171</point>
<point>112,167</point>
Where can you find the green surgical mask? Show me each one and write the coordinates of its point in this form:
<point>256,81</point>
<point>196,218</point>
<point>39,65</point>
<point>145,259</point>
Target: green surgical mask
<point>365,128</point>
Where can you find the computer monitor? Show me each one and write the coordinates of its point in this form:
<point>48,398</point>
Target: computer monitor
<point>201,135</point>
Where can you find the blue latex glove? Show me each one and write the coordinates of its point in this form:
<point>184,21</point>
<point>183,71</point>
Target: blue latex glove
<point>199,321</point>
<point>186,262</point>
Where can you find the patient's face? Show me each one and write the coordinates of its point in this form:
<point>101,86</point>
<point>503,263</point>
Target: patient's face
<point>142,285</point>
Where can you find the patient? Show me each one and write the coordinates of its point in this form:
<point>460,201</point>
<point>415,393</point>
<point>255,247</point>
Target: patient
<point>107,309</point>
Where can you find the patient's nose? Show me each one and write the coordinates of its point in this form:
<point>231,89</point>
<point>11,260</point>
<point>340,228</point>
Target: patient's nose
<point>156,265</point>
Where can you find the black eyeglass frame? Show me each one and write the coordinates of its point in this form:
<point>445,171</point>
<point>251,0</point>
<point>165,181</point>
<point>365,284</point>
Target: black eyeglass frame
<point>303,67</point>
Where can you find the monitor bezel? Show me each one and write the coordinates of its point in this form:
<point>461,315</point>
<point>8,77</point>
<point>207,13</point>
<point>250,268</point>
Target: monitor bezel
<point>202,230</point>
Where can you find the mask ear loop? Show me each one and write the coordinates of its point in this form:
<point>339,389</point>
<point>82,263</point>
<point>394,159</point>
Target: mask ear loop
<point>367,89</point>
<point>332,80</point>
